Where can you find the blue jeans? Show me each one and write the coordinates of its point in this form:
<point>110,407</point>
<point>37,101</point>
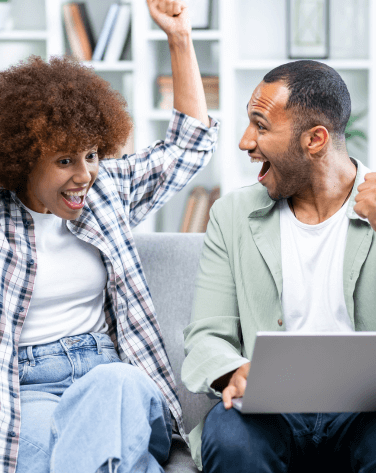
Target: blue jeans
<point>293,443</point>
<point>83,410</point>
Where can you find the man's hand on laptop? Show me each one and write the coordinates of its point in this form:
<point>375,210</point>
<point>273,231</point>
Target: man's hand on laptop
<point>232,384</point>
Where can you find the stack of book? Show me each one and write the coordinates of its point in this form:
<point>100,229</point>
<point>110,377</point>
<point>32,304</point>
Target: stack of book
<point>112,39</point>
<point>196,214</point>
<point>166,92</point>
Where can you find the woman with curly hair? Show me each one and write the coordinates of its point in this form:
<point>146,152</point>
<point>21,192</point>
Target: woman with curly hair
<point>86,385</point>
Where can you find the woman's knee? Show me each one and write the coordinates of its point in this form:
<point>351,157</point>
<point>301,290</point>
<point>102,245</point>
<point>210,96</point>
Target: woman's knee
<point>124,374</point>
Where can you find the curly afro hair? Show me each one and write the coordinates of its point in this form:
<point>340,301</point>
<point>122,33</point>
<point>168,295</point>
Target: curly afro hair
<point>55,106</point>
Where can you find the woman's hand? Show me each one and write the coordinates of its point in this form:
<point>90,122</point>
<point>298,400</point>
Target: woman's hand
<point>189,98</point>
<point>171,16</point>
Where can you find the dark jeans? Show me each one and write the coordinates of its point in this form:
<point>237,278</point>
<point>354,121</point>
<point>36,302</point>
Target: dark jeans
<point>293,443</point>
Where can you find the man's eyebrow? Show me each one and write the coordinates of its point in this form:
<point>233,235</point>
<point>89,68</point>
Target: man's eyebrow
<point>259,114</point>
<point>256,114</point>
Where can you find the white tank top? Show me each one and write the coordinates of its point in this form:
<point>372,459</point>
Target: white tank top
<point>312,271</point>
<point>69,286</point>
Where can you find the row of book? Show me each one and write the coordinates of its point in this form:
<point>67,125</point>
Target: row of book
<point>113,36</point>
<point>166,92</point>
<point>196,214</point>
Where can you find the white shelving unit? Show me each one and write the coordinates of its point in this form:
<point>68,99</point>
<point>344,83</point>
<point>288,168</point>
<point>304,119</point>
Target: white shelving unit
<point>247,39</point>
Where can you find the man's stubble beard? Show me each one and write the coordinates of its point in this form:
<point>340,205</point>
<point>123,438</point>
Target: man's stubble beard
<point>295,173</point>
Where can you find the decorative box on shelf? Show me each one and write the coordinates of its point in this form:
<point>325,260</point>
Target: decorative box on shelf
<point>166,94</point>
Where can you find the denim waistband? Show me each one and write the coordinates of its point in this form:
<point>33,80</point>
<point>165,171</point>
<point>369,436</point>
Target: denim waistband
<point>65,344</point>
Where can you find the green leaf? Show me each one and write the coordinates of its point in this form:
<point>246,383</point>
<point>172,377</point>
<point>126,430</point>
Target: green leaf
<point>358,137</point>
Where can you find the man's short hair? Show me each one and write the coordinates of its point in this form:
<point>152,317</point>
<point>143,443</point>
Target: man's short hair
<point>318,95</point>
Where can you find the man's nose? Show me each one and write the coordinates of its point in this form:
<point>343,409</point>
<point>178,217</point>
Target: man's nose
<point>248,141</point>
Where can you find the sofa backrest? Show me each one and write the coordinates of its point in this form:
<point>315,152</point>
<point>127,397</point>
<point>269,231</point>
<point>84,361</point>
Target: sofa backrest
<point>170,262</point>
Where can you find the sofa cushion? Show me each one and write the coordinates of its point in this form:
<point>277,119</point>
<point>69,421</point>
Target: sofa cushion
<point>180,460</point>
<point>170,262</point>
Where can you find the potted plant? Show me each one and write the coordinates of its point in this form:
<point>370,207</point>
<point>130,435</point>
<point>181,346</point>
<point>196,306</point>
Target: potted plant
<point>353,134</point>
<point>5,16</point>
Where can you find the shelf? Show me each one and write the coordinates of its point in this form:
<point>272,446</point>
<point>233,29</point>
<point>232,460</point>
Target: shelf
<point>339,64</point>
<point>197,35</point>
<point>110,66</point>
<point>23,35</point>
<point>165,115</point>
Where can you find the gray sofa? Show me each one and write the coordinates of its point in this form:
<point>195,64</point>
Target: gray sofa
<point>170,262</point>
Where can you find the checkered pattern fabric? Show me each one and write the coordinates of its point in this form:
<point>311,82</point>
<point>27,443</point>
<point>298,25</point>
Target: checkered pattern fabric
<point>125,192</point>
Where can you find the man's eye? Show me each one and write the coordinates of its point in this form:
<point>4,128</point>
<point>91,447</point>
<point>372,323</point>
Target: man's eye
<point>64,161</point>
<point>260,126</point>
<point>92,156</point>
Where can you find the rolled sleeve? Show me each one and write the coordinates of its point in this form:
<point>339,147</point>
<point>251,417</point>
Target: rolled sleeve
<point>147,179</point>
<point>213,339</point>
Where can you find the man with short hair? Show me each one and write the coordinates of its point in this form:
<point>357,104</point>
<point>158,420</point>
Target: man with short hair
<point>295,251</point>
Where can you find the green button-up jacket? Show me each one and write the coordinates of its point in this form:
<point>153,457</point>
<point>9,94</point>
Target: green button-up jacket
<point>239,286</point>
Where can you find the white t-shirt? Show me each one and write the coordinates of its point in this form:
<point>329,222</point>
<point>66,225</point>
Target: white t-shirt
<point>68,293</point>
<point>312,271</point>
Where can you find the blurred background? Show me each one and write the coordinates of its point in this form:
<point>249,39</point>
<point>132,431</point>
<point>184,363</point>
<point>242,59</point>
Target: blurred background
<point>237,42</point>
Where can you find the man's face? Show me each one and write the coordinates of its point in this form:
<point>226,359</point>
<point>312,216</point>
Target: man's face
<point>56,178</point>
<point>269,138</point>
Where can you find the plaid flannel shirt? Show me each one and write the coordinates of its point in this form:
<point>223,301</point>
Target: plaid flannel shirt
<point>125,192</point>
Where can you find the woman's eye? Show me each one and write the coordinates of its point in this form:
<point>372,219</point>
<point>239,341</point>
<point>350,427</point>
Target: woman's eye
<point>92,156</point>
<point>64,161</point>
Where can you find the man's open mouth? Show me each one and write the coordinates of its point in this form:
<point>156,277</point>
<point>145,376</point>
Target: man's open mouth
<point>264,171</point>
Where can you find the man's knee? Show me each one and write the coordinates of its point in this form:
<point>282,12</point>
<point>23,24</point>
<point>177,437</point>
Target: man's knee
<point>233,442</point>
<point>221,432</point>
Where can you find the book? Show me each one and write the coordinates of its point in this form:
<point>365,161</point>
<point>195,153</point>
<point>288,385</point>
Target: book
<point>196,214</point>
<point>72,34</point>
<point>87,24</point>
<point>106,31</point>
<point>166,92</point>
<point>79,34</point>
<point>119,34</point>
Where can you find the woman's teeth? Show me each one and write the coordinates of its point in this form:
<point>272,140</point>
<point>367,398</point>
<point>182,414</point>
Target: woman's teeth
<point>83,192</point>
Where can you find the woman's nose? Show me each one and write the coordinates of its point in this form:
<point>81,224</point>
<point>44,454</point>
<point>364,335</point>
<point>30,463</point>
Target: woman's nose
<point>82,174</point>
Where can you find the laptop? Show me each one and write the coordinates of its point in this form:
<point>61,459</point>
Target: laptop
<point>316,372</point>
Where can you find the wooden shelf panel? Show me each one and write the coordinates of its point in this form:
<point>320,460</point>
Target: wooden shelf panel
<point>23,35</point>
<point>165,115</point>
<point>111,66</point>
<point>197,35</point>
<point>339,64</point>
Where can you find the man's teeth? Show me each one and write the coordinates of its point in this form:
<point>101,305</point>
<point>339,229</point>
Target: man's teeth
<point>257,160</point>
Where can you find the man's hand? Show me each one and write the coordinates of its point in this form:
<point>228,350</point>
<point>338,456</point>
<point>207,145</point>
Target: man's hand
<point>170,15</point>
<point>236,385</point>
<point>366,199</point>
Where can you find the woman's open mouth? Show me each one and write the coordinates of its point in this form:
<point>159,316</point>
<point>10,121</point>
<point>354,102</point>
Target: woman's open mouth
<point>74,200</point>
<point>264,171</point>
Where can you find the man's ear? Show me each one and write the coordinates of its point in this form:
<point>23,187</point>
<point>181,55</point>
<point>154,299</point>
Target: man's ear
<point>315,139</point>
